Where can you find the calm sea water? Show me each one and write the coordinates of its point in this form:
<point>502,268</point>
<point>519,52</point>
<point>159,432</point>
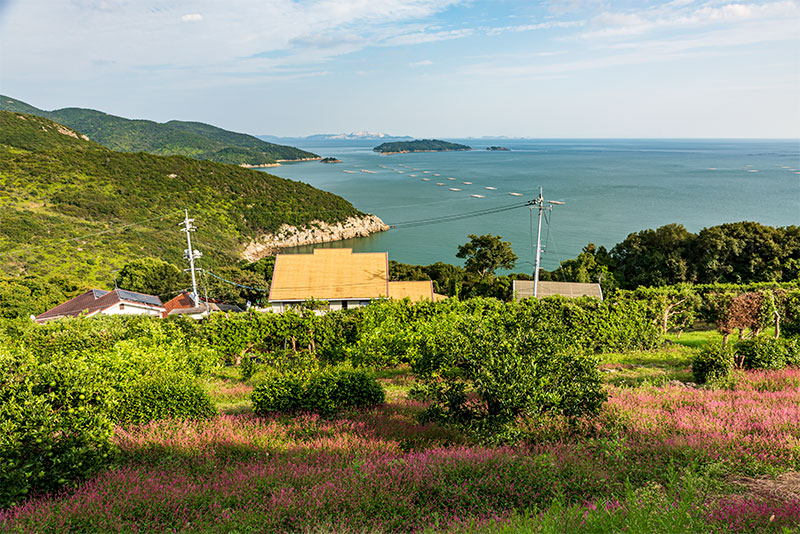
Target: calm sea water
<point>610,188</point>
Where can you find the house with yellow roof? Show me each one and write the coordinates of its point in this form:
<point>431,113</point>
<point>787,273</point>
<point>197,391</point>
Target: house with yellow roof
<point>341,278</point>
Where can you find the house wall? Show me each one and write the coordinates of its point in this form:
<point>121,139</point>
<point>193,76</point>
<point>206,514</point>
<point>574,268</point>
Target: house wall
<point>127,308</point>
<point>333,305</point>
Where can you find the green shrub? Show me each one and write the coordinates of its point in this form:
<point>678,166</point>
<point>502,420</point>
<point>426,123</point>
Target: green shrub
<point>162,396</point>
<point>715,361</point>
<point>326,392</point>
<point>54,424</point>
<point>484,371</point>
<point>321,392</point>
<point>762,352</point>
<point>355,388</point>
<point>280,393</point>
<point>792,351</point>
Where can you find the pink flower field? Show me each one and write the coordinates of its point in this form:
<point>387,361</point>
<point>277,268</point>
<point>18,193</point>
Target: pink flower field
<point>379,470</point>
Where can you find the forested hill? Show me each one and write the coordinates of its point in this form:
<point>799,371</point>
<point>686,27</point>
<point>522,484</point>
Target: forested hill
<point>419,145</point>
<point>193,139</point>
<point>69,205</point>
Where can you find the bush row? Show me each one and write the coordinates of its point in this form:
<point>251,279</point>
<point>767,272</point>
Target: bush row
<point>325,391</point>
<point>731,307</point>
<point>58,411</point>
<point>717,359</point>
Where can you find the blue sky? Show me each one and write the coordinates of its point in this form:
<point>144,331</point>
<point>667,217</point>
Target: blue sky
<point>443,68</point>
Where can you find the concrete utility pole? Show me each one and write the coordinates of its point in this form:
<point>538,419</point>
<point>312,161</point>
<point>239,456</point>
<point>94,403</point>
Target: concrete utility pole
<point>539,203</point>
<point>191,254</point>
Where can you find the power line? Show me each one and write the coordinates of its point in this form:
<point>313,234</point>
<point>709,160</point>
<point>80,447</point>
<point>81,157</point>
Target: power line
<point>456,217</point>
<point>206,271</point>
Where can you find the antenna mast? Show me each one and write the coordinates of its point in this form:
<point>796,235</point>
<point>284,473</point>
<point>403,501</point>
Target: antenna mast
<point>191,254</point>
<point>539,203</point>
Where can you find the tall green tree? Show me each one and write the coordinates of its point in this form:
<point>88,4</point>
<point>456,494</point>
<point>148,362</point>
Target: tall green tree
<point>486,253</point>
<point>151,276</point>
<point>654,257</point>
<point>593,264</point>
<point>742,252</point>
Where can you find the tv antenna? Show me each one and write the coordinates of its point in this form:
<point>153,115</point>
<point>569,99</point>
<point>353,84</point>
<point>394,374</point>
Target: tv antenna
<point>542,205</point>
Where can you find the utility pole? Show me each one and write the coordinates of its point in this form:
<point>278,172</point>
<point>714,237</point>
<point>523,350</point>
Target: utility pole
<point>539,203</point>
<point>191,254</point>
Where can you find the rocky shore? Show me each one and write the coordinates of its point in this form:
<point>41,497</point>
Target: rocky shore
<point>277,163</point>
<point>315,232</point>
<point>413,151</point>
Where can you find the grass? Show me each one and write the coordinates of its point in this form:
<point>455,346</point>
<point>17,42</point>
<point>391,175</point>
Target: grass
<point>657,459</point>
<point>669,363</point>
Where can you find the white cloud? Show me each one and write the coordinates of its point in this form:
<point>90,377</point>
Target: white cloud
<point>236,35</point>
<point>648,51</point>
<point>533,27</point>
<point>426,37</point>
<point>680,15</point>
<point>423,63</point>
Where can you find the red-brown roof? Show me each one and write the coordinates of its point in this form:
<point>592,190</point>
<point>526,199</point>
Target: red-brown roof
<point>183,300</point>
<point>96,300</point>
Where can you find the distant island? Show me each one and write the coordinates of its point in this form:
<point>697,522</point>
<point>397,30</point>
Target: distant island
<point>423,145</point>
<point>330,160</point>
<point>360,135</point>
<point>498,148</point>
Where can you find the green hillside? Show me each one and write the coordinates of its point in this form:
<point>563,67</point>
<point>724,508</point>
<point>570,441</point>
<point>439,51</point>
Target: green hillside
<point>193,139</point>
<point>72,206</point>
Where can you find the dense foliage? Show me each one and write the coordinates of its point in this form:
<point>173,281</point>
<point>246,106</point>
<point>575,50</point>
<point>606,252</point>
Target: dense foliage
<point>741,252</point>
<point>423,145</point>
<point>523,362</point>
<point>485,254</point>
<point>70,206</point>
<point>163,396</point>
<point>151,276</point>
<point>324,391</point>
<point>55,423</point>
<point>192,139</point>
<point>717,359</point>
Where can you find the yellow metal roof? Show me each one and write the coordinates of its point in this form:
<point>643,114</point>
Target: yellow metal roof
<point>524,289</point>
<point>415,291</point>
<point>330,274</point>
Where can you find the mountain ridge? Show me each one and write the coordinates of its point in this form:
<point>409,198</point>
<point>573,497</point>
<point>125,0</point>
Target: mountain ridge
<point>74,207</point>
<point>185,138</point>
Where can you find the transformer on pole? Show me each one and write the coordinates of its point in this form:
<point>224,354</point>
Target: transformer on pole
<point>539,204</point>
<point>191,254</point>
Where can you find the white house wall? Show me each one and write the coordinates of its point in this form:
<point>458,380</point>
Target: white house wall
<point>127,308</point>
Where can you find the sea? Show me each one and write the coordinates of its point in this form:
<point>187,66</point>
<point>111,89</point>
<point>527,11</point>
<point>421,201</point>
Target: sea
<point>609,189</point>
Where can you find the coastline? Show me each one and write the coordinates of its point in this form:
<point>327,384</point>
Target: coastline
<point>261,166</point>
<point>298,160</point>
<point>413,151</point>
<point>277,163</point>
<point>313,233</point>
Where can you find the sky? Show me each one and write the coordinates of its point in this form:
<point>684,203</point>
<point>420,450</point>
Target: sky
<point>425,68</point>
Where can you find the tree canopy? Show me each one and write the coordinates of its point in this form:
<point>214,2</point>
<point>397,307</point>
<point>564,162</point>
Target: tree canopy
<point>486,253</point>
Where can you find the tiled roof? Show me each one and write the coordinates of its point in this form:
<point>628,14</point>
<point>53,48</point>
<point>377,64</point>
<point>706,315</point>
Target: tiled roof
<point>182,300</point>
<point>415,291</point>
<point>524,289</point>
<point>330,274</point>
<point>183,304</point>
<point>96,300</point>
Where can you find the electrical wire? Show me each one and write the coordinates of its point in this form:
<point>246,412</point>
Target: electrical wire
<point>456,217</point>
<point>234,283</point>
